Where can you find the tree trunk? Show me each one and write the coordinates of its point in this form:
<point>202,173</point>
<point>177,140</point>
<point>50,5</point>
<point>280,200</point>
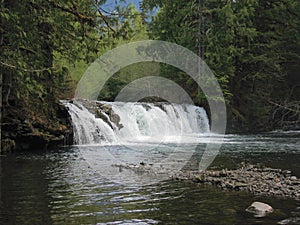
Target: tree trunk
<point>0,110</point>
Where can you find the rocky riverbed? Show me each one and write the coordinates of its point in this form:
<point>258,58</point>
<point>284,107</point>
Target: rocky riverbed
<point>254,179</point>
<point>250,178</point>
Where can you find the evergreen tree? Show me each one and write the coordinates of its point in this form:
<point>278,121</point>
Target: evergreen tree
<point>252,46</point>
<point>35,36</point>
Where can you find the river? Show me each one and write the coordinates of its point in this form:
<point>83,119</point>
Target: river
<point>60,187</point>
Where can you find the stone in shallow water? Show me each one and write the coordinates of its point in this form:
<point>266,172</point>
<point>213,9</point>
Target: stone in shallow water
<point>290,221</point>
<point>260,209</point>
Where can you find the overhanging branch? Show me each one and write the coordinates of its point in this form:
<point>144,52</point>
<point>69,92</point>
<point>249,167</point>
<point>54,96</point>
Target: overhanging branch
<point>79,16</point>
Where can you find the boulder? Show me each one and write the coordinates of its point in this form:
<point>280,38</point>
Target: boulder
<point>260,209</point>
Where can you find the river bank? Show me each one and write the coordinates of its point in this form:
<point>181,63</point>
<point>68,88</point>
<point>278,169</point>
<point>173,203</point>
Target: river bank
<point>35,128</point>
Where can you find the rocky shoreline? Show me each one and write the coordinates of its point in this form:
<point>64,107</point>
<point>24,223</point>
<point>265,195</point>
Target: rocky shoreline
<point>27,131</point>
<point>249,178</point>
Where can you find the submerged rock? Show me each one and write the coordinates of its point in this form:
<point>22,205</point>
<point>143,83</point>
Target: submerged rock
<point>295,220</point>
<point>259,209</point>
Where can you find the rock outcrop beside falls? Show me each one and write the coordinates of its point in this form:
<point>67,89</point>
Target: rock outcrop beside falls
<point>259,181</point>
<point>102,111</point>
<point>29,129</point>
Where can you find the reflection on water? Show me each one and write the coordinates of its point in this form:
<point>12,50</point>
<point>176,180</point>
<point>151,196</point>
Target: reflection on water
<point>58,187</point>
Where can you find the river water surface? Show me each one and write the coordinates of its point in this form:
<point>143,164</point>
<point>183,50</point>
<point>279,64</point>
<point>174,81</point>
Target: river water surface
<point>59,187</point>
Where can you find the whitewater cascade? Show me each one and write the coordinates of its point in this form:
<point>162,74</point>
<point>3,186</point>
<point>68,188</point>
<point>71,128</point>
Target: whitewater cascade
<point>117,122</point>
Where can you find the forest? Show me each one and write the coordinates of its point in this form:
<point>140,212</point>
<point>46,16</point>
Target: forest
<point>252,47</point>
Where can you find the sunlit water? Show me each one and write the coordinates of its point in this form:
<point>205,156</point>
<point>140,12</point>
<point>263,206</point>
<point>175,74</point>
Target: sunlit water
<point>60,187</point>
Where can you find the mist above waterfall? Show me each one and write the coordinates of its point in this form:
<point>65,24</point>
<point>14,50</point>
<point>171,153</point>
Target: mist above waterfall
<point>119,122</point>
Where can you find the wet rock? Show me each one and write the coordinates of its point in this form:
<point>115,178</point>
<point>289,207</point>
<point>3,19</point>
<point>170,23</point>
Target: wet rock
<point>107,110</point>
<point>259,209</point>
<point>294,220</point>
<point>100,115</point>
<point>239,185</point>
<point>160,105</point>
<point>287,172</point>
<point>146,106</point>
<point>102,111</point>
<point>116,119</point>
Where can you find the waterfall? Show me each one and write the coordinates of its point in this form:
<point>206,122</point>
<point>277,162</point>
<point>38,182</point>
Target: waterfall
<point>117,122</point>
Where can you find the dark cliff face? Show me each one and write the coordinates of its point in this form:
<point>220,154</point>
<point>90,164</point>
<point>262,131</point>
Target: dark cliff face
<point>25,127</point>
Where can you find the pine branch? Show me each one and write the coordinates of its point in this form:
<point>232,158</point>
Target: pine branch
<point>79,16</point>
<point>105,20</point>
<point>26,70</point>
<point>289,107</point>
